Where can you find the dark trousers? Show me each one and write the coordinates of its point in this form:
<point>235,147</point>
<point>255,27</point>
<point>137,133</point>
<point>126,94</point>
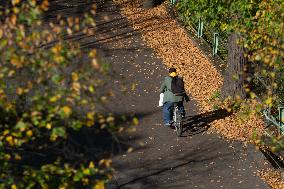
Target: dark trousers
<point>168,109</point>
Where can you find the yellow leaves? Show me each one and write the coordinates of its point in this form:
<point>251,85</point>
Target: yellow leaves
<point>257,14</point>
<point>2,94</point>
<point>19,91</point>
<point>85,181</point>
<point>6,132</point>
<point>17,61</point>
<point>103,98</point>
<point>7,156</point>
<point>16,10</point>
<point>224,26</point>
<point>86,171</point>
<point>69,31</point>
<point>48,126</point>
<point>84,102</point>
<point>58,58</point>
<point>91,164</point>
<point>21,126</point>
<point>273,149</point>
<point>10,140</point>
<point>267,60</point>
<point>102,161</point>
<point>13,19</point>
<point>33,2</point>
<point>94,7</point>
<point>93,53</point>
<point>74,76</point>
<point>29,133</point>
<point>102,120</point>
<point>257,57</point>
<point>77,27</point>
<point>252,95</point>
<point>14,186</point>
<point>66,110</point>
<point>129,150</point>
<point>55,98</point>
<point>133,86</point>
<point>120,129</point>
<point>90,123</point>
<point>56,49</point>
<point>135,121</point>
<point>15,2</point>
<point>44,5</point>
<point>269,101</point>
<point>1,33</point>
<point>35,113</point>
<point>58,132</point>
<point>76,86</point>
<point>70,21</point>
<point>229,109</point>
<point>272,74</point>
<point>53,138</point>
<point>57,29</point>
<point>99,185</point>
<point>106,162</point>
<point>110,119</point>
<point>247,89</point>
<point>257,141</point>
<point>95,63</point>
<point>90,115</point>
<point>91,89</point>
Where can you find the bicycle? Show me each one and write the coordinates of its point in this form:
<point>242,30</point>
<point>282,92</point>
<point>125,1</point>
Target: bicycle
<point>177,120</point>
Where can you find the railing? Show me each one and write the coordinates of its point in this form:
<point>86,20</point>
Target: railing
<point>215,39</point>
<point>218,42</point>
<point>278,122</point>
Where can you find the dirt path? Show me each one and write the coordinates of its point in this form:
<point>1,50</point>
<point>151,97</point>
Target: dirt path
<point>159,159</point>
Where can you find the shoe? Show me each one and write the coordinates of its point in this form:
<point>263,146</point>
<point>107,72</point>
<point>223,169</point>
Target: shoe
<point>167,125</point>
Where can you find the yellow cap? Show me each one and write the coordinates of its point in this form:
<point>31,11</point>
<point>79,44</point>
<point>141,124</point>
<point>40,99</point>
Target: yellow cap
<point>173,74</point>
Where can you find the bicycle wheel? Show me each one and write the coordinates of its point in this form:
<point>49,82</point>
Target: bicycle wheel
<point>178,122</point>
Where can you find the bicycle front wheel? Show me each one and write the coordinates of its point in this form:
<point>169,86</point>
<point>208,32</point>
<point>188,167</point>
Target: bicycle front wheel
<point>178,124</point>
<point>179,129</point>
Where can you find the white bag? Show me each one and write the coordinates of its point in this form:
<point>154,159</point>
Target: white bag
<point>161,101</point>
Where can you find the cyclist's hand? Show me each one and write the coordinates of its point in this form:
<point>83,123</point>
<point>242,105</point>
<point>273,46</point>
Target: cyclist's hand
<point>187,98</point>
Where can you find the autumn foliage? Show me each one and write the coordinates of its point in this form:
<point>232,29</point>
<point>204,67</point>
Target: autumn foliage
<point>259,23</point>
<point>48,88</point>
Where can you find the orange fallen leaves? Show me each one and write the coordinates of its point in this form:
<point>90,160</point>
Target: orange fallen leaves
<point>274,178</point>
<point>202,79</point>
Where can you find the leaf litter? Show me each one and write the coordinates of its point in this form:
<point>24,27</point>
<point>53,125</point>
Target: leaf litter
<point>172,44</point>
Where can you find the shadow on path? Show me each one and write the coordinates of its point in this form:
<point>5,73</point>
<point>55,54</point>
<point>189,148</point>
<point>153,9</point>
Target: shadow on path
<point>200,123</point>
<point>192,161</point>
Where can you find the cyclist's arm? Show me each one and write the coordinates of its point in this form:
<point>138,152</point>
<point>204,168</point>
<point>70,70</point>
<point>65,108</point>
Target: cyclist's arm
<point>186,97</point>
<point>163,87</point>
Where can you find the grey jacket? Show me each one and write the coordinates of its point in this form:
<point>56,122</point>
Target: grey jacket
<point>168,95</point>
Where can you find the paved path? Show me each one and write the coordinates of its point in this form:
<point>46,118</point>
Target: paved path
<point>159,159</point>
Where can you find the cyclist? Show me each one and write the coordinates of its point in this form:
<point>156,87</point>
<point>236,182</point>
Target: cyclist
<point>170,98</point>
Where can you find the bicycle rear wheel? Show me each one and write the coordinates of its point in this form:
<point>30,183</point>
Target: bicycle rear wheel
<point>178,122</point>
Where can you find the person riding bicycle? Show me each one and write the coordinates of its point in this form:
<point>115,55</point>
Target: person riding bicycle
<point>174,92</point>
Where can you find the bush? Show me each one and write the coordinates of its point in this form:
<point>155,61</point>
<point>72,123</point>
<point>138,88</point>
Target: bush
<point>49,88</point>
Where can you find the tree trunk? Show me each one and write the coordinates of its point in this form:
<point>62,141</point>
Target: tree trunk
<point>234,78</point>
